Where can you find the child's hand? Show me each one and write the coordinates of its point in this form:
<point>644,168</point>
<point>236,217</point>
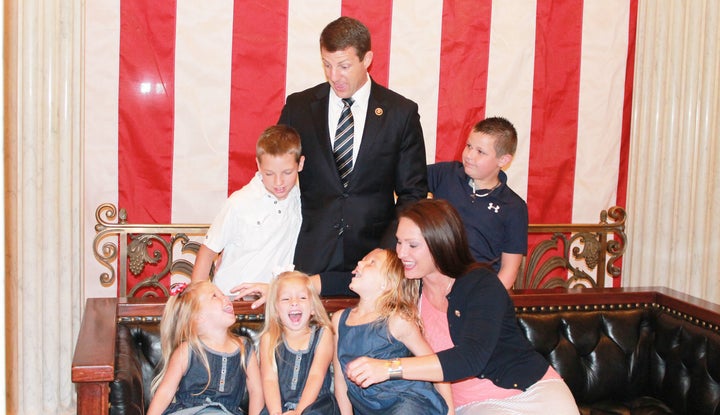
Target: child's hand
<point>253,291</point>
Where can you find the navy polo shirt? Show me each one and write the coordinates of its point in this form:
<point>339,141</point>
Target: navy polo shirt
<point>495,223</point>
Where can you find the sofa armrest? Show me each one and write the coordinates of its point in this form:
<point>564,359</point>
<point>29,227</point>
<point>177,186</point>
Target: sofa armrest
<point>93,365</point>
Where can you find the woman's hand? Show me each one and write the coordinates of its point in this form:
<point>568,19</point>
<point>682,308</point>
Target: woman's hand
<point>365,371</point>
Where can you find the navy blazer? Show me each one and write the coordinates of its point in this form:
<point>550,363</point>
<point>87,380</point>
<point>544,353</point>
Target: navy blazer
<point>488,341</point>
<point>390,162</point>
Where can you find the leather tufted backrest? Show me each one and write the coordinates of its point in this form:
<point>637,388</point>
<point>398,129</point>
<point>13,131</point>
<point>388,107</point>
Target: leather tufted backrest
<point>685,366</point>
<point>622,354</point>
<point>600,355</point>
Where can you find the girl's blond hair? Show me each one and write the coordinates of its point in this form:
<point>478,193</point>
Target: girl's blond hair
<point>402,294</point>
<point>273,329</point>
<point>178,325</point>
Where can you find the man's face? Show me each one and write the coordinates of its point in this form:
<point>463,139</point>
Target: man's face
<point>345,72</point>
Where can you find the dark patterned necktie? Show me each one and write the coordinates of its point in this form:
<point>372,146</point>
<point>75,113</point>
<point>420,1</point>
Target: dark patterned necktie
<point>343,145</point>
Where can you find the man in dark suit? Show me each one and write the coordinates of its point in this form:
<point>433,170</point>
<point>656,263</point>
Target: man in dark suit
<point>345,219</point>
<point>350,199</point>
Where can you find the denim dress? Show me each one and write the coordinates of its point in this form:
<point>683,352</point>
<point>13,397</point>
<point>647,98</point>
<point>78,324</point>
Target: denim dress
<point>293,370</point>
<point>227,388</point>
<point>396,397</point>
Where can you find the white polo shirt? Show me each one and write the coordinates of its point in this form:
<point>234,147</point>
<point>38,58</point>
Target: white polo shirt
<point>256,234</point>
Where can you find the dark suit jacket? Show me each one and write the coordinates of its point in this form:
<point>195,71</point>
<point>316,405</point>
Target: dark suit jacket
<point>391,160</point>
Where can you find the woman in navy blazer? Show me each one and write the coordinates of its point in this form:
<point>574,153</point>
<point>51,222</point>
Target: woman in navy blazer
<point>470,323</point>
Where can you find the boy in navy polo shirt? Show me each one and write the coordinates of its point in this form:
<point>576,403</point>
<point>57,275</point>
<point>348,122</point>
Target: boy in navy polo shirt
<point>495,217</point>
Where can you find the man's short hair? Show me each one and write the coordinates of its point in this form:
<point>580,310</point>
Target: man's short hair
<point>346,32</point>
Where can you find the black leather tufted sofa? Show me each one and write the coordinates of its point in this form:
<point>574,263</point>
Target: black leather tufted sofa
<point>630,359</point>
<point>621,351</point>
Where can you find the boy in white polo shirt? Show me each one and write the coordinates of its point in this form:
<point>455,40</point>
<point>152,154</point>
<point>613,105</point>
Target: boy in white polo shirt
<point>256,231</point>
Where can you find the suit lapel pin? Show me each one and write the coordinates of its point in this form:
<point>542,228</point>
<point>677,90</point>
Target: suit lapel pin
<point>378,111</point>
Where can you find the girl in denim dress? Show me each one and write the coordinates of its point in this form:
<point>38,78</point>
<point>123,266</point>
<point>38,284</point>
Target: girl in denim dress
<point>385,324</point>
<point>205,368</point>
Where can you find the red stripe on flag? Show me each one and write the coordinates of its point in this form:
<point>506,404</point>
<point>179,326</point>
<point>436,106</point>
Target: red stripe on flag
<point>627,107</point>
<point>555,113</point>
<point>627,115</point>
<point>146,95</point>
<point>377,16</point>
<point>259,53</point>
<point>465,48</point>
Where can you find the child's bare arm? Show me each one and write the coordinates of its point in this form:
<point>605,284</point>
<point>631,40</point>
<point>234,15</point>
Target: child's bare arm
<point>340,385</point>
<point>318,370</point>
<point>165,392</point>
<point>271,387</point>
<point>203,262</point>
<point>410,334</point>
<point>254,384</point>
<point>445,391</point>
<point>509,269</point>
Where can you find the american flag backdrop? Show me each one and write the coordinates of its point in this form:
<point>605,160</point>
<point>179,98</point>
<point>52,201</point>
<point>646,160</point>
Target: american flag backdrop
<point>177,91</point>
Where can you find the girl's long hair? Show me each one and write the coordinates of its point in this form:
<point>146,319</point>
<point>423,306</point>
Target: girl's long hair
<point>178,325</point>
<point>402,294</point>
<point>273,329</point>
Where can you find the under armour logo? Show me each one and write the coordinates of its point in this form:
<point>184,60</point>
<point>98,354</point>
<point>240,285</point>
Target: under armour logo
<point>493,207</point>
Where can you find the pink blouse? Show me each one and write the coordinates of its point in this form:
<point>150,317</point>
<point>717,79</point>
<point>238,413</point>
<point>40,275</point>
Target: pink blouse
<point>465,391</point>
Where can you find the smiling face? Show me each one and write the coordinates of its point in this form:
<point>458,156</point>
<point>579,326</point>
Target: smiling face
<point>479,158</point>
<point>294,305</point>
<point>344,70</point>
<point>279,173</point>
<point>413,250</point>
<point>369,275</point>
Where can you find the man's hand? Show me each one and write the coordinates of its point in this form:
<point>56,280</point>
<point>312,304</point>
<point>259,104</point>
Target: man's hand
<point>249,291</point>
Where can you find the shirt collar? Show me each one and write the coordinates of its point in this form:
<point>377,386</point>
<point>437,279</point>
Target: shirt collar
<point>361,96</point>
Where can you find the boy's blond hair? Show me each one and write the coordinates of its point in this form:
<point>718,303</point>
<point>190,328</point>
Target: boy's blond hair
<point>278,140</point>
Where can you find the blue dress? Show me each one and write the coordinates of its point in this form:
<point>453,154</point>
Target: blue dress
<point>227,389</point>
<point>394,397</point>
<point>293,369</point>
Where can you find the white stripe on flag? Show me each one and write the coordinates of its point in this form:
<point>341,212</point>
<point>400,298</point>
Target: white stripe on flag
<point>510,79</point>
<point>415,61</point>
<point>203,71</point>
<point>306,20</point>
<point>600,112</point>
<point>203,54</point>
<point>102,56</point>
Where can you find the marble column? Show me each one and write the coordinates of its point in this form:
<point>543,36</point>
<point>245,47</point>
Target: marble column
<point>674,176</point>
<point>43,179</point>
